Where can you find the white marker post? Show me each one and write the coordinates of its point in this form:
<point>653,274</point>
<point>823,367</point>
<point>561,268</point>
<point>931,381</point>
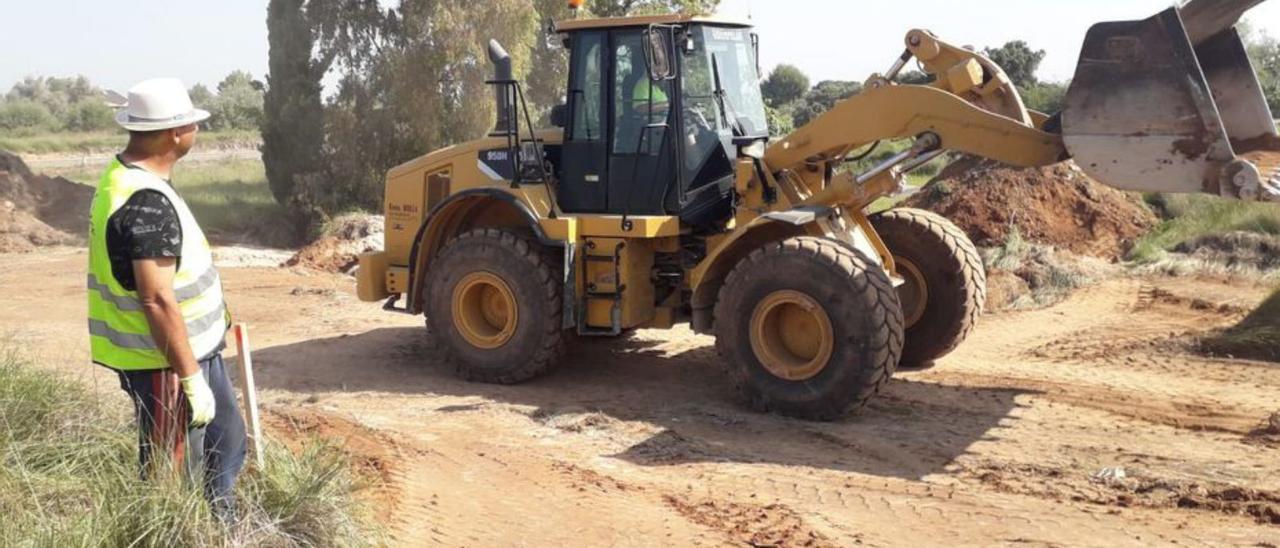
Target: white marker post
<point>249,393</point>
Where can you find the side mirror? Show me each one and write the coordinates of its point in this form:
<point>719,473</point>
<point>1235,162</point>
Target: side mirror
<point>560,116</point>
<point>659,50</point>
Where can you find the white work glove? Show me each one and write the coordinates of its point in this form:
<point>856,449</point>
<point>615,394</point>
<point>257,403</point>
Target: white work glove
<point>203,406</point>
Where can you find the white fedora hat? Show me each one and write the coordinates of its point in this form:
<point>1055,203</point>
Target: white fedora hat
<point>159,103</point>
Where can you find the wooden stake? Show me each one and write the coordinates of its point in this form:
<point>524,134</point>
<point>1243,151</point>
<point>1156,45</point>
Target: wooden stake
<point>249,391</point>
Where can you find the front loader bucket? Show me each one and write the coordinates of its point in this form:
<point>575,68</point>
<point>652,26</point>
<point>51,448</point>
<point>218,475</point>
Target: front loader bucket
<point>1172,104</point>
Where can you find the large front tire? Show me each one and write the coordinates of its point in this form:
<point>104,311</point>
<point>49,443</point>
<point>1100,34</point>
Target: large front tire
<point>946,286</point>
<point>494,306</point>
<point>810,328</point>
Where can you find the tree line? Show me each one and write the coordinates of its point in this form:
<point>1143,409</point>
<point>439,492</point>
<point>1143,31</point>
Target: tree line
<point>41,104</point>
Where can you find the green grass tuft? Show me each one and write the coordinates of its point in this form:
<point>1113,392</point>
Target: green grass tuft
<point>69,477</point>
<point>1188,217</point>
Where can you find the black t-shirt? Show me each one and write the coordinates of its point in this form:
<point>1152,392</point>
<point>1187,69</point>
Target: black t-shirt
<point>146,227</point>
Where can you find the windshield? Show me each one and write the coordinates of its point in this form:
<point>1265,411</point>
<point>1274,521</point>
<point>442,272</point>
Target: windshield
<point>734,55</point>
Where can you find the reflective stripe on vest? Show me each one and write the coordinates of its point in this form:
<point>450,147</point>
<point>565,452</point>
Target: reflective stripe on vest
<point>119,334</point>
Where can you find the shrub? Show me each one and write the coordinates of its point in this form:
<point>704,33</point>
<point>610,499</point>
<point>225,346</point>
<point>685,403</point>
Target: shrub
<point>25,114</point>
<point>89,115</point>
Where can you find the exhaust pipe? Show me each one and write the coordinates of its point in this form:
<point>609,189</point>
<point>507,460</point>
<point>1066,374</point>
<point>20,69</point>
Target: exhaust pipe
<point>502,79</point>
<point>1172,104</point>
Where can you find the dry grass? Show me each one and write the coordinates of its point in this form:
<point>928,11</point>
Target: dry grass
<point>1039,275</point>
<point>105,141</point>
<point>231,199</point>
<point>69,477</point>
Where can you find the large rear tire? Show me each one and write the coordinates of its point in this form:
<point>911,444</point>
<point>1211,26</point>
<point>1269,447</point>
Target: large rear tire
<point>946,285</point>
<point>810,328</point>
<point>494,306</point>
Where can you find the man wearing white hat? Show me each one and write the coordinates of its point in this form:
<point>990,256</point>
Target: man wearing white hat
<point>156,311</point>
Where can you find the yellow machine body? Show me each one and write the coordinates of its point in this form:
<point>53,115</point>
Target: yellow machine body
<point>792,188</point>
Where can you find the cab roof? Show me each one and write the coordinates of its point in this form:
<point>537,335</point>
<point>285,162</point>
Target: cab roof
<point>644,21</point>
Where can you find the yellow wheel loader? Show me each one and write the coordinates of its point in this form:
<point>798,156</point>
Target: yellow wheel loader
<point>658,198</point>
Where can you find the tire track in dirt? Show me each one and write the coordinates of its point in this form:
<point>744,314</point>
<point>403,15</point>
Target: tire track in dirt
<point>1135,364</point>
<point>1129,491</point>
<point>480,493</point>
<point>638,442</point>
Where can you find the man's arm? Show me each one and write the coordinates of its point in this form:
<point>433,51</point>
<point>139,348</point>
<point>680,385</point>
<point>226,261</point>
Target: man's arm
<point>154,278</point>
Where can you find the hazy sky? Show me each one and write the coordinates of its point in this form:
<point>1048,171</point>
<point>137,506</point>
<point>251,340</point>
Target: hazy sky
<point>117,42</point>
<point>849,39</point>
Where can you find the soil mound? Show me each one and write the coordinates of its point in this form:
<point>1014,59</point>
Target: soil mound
<point>39,211</point>
<point>338,249</point>
<point>1054,205</point>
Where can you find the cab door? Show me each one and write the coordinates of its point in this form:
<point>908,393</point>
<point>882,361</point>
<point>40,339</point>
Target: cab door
<point>641,168</point>
<point>583,184</point>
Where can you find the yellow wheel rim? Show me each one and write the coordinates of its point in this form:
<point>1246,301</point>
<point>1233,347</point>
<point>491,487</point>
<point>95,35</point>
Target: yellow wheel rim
<point>914,294</point>
<point>791,335</point>
<point>484,310</point>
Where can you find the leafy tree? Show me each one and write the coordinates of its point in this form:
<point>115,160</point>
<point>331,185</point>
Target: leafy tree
<point>1264,51</point>
<point>89,114</point>
<point>25,115</point>
<point>619,8</point>
<point>1047,97</point>
<point>201,97</point>
<point>1019,61</point>
<point>821,98</point>
<point>411,79</point>
<point>238,104</point>
<point>780,121</point>
<point>545,85</point>
<point>293,114</point>
<point>914,77</point>
<point>74,103</point>
<point>55,94</point>
<point>424,89</point>
<point>785,84</point>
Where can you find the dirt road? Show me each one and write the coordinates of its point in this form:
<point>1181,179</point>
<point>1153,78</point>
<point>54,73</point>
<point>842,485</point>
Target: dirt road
<point>1086,424</point>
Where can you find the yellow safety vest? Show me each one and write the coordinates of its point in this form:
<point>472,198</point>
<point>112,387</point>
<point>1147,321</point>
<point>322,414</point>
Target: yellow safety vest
<point>119,335</point>
<point>646,88</point>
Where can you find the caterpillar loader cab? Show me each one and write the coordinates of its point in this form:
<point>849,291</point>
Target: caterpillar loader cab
<point>658,198</point>
<point>653,116</point>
